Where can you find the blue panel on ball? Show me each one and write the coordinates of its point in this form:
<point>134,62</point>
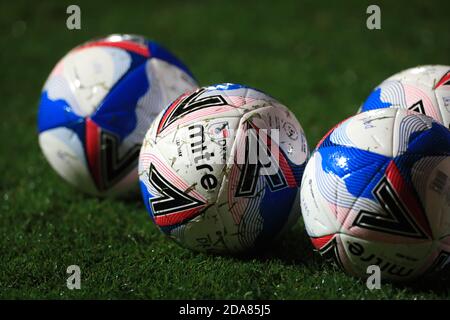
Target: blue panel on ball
<point>136,61</point>
<point>117,112</point>
<point>275,208</point>
<point>434,142</point>
<point>374,101</point>
<point>55,113</point>
<point>146,196</point>
<point>159,52</point>
<point>228,86</point>
<point>58,113</point>
<point>233,86</point>
<point>297,170</point>
<point>359,169</point>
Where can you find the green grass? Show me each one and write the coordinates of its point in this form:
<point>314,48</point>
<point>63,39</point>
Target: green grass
<point>317,58</point>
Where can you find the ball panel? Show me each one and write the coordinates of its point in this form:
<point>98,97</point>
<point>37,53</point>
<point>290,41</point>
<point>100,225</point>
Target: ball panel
<point>65,153</point>
<point>92,73</point>
<point>172,200</point>
<point>134,44</point>
<point>262,200</point>
<point>58,113</point>
<point>108,91</point>
<point>158,52</point>
<point>430,176</point>
<point>396,261</point>
<point>217,120</point>
<point>199,152</point>
<point>208,233</point>
<point>442,92</point>
<point>424,75</point>
<point>207,102</point>
<point>386,95</point>
<point>422,89</point>
<point>407,130</point>
<point>387,204</point>
<point>167,82</point>
<point>313,202</point>
<point>367,131</point>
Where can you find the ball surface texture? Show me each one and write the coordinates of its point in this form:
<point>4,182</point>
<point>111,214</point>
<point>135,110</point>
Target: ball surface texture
<point>199,178</point>
<point>376,192</point>
<point>98,103</point>
<point>424,89</point>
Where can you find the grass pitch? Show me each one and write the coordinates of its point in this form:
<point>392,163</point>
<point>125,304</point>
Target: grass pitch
<point>318,58</point>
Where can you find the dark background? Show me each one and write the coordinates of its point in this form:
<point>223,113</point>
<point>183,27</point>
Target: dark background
<point>317,57</point>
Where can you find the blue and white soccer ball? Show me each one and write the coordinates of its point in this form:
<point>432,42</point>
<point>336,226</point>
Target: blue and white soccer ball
<point>423,89</point>
<point>203,178</point>
<point>376,191</point>
<point>97,105</point>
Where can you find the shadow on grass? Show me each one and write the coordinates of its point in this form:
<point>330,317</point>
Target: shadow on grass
<point>294,248</point>
<point>438,284</point>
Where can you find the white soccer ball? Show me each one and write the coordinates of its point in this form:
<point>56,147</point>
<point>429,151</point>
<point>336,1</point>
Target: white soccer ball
<point>424,89</point>
<point>199,178</point>
<point>97,105</point>
<point>376,191</point>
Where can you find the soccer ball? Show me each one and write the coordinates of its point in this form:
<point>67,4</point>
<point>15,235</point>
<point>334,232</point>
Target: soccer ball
<point>376,191</point>
<point>97,105</point>
<point>424,89</point>
<point>220,169</point>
